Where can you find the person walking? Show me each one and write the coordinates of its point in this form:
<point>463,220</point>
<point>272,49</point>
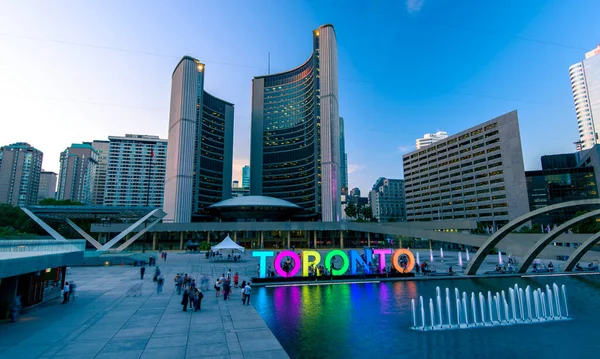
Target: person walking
<point>66,293</point>
<point>218,287</point>
<point>178,283</point>
<point>200,296</point>
<point>226,287</point>
<point>165,256</point>
<point>15,309</point>
<point>72,290</point>
<point>247,291</point>
<point>142,271</point>
<point>236,279</point>
<point>159,284</point>
<point>185,299</point>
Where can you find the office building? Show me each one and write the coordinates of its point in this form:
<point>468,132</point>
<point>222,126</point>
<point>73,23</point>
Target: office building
<point>200,151</point>
<point>47,188</point>
<point>135,175</point>
<point>343,160</point>
<point>236,184</point>
<point>77,174</point>
<point>585,83</point>
<point>475,174</point>
<point>246,176</point>
<point>240,192</point>
<point>103,148</point>
<point>430,138</point>
<point>295,135</point>
<point>20,167</point>
<point>387,200</point>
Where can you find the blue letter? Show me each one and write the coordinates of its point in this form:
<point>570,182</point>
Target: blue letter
<point>262,261</point>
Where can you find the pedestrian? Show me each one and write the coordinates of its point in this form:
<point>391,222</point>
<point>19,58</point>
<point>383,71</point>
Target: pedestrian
<point>218,287</point>
<point>236,279</point>
<point>178,283</point>
<point>15,309</point>
<point>185,299</point>
<point>193,299</point>
<point>159,284</point>
<point>156,274</point>
<point>193,284</point>
<point>142,271</point>
<point>185,281</point>
<point>226,287</point>
<point>72,290</point>
<point>165,256</point>
<point>200,296</point>
<point>229,273</point>
<point>247,291</point>
<point>66,293</point>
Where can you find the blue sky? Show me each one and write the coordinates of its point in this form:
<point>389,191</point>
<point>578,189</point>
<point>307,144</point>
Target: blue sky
<point>78,71</point>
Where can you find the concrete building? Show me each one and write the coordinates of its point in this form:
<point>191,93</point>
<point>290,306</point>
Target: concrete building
<point>240,192</point>
<point>47,188</point>
<point>77,174</point>
<point>200,152</point>
<point>103,148</point>
<point>135,175</point>
<point>387,200</point>
<point>585,83</point>
<point>246,176</point>
<point>295,135</point>
<point>430,138</point>
<point>343,160</point>
<point>475,174</point>
<point>20,167</point>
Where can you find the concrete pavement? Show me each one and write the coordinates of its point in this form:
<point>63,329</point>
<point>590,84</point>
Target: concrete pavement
<point>106,321</point>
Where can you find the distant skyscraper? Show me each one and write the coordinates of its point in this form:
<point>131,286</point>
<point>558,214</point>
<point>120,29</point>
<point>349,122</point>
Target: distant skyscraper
<point>135,175</point>
<point>343,160</point>
<point>585,83</point>
<point>200,153</point>
<point>20,167</point>
<point>387,200</point>
<point>100,180</point>
<point>295,136</point>
<point>77,174</point>
<point>47,187</point>
<point>430,138</point>
<point>246,176</point>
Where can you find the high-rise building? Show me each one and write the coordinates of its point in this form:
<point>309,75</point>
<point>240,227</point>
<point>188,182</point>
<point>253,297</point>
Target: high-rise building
<point>135,175</point>
<point>343,160</point>
<point>20,167</point>
<point>47,188</point>
<point>200,152</point>
<point>477,173</point>
<point>387,200</point>
<point>236,184</point>
<point>77,174</point>
<point>585,83</point>
<point>246,176</point>
<point>103,148</point>
<point>430,138</point>
<point>295,135</point>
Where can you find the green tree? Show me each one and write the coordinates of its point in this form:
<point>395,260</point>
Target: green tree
<point>54,202</point>
<point>590,225</point>
<point>351,210</point>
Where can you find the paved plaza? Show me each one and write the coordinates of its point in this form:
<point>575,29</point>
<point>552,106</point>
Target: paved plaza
<point>107,321</point>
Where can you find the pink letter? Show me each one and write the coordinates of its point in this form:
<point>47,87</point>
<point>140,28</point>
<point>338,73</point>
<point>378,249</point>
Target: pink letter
<point>382,253</point>
<point>295,259</point>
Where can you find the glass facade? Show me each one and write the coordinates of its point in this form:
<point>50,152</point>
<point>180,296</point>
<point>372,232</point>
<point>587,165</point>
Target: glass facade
<point>548,187</point>
<point>210,152</point>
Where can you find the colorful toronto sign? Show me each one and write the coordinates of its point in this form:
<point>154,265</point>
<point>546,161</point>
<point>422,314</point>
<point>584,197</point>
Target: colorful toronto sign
<point>349,260</point>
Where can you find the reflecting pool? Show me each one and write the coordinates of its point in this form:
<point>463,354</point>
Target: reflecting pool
<point>371,319</point>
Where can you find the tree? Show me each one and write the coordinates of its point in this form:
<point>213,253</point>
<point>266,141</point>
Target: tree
<point>54,202</point>
<point>351,210</point>
<point>590,225</point>
<point>367,214</point>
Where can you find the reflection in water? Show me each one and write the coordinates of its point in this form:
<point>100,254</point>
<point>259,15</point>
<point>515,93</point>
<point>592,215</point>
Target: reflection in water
<point>370,320</point>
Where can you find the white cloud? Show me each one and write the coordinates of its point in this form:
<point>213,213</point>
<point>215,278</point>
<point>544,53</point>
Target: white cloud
<point>414,6</point>
<point>354,168</point>
<point>405,148</point>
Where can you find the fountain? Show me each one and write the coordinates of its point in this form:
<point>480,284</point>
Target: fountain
<point>500,257</point>
<point>510,307</point>
<point>460,262</point>
<point>467,253</point>
<point>418,260</point>
<point>431,255</point>
<point>442,254</point>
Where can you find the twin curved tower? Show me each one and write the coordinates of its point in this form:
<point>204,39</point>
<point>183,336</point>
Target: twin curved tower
<point>295,138</point>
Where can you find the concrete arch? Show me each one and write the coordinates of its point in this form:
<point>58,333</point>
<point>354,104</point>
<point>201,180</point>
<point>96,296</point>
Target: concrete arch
<point>580,252</point>
<point>539,246</point>
<point>495,238</point>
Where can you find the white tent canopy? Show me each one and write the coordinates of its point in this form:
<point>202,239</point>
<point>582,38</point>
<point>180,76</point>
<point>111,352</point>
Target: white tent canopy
<point>227,243</point>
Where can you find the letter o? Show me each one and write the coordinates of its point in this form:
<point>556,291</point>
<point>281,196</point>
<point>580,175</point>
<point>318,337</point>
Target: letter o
<point>411,260</point>
<point>295,259</point>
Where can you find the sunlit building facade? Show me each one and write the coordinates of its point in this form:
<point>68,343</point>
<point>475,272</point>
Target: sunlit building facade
<point>295,136</point>
<point>20,168</point>
<point>585,83</point>
<point>200,149</point>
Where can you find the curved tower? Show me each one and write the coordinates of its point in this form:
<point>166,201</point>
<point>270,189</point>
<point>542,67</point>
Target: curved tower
<point>585,83</point>
<point>200,150</point>
<point>295,136</point>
